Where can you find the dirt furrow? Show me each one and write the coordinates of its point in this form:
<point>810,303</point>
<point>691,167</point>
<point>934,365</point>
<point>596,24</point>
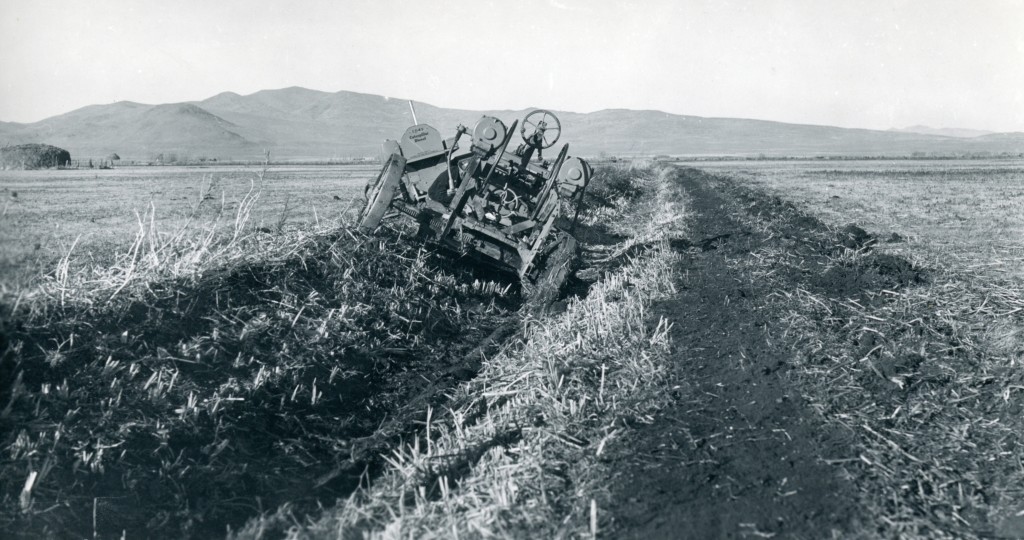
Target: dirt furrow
<point>738,453</point>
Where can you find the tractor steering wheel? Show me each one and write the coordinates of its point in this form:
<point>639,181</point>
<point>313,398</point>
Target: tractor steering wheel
<point>541,129</point>
<point>508,198</point>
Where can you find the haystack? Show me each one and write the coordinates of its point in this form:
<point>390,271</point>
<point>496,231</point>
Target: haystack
<point>33,156</point>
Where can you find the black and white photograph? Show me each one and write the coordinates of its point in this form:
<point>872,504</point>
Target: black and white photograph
<point>471,269</point>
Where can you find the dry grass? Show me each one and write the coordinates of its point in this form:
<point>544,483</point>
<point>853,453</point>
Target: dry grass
<point>516,452</point>
<point>930,380</point>
<point>927,378</point>
<point>968,215</point>
<point>207,373</point>
<point>225,238</point>
<point>42,213</point>
<point>147,391</point>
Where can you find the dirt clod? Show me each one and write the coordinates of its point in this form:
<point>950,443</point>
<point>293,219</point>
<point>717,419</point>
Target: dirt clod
<point>897,268</point>
<point>855,238</point>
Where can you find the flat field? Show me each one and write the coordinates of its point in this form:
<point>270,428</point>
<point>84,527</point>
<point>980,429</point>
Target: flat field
<point>965,214</point>
<point>43,212</point>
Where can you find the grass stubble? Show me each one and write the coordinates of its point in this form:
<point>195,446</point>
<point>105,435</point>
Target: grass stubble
<point>218,361</point>
<point>167,390</point>
<point>927,377</point>
<point>517,450</point>
<point>967,215</point>
<point>217,366</point>
<point>42,213</point>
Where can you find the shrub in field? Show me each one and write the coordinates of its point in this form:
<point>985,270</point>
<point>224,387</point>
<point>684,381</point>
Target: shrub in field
<point>33,156</point>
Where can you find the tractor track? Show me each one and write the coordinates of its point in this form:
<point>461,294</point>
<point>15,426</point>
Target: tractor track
<point>737,453</point>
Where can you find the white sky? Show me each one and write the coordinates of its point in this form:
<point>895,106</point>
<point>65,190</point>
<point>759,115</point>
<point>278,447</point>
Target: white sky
<point>857,63</point>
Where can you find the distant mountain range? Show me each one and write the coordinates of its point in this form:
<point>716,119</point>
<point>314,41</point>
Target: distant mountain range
<point>946,132</point>
<point>298,123</point>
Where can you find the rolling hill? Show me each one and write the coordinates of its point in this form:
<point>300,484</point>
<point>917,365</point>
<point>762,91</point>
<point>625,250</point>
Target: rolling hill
<point>296,123</point>
<point>948,132</point>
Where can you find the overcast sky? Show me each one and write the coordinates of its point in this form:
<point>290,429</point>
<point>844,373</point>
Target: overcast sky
<point>858,63</point>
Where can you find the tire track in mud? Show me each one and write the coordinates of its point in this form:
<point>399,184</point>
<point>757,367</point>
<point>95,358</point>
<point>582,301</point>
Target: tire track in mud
<point>737,453</point>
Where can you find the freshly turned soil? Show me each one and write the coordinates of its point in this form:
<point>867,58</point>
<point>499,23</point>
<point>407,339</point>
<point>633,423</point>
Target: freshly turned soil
<point>738,453</point>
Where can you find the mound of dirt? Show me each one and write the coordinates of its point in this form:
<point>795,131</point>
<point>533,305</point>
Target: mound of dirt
<point>279,382</point>
<point>899,269</point>
<point>773,206</point>
<point>874,273</point>
<point>855,238</point>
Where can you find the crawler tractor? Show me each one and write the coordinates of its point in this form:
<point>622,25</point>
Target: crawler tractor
<point>507,209</point>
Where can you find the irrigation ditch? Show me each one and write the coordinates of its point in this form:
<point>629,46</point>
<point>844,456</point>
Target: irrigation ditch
<point>191,406</point>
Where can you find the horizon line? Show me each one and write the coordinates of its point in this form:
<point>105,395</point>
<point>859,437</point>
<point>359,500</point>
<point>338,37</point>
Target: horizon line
<point>388,98</point>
